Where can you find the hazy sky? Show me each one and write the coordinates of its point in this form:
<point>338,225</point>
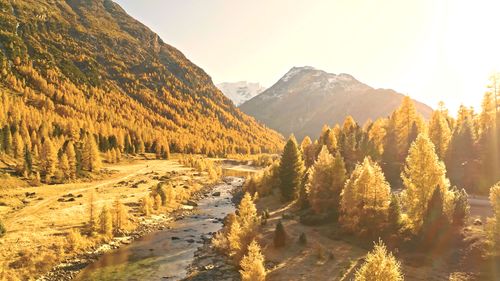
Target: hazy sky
<point>430,49</point>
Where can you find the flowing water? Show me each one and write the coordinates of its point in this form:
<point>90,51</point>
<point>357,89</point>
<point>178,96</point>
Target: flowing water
<point>166,254</point>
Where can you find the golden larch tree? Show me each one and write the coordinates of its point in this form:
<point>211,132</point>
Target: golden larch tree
<point>252,264</point>
<point>366,195</point>
<point>379,265</point>
<point>91,159</point>
<point>440,133</point>
<point>320,182</point>
<point>48,159</point>
<point>106,222</point>
<point>423,172</point>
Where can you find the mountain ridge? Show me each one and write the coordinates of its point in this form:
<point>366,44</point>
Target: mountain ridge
<point>92,61</point>
<point>306,98</point>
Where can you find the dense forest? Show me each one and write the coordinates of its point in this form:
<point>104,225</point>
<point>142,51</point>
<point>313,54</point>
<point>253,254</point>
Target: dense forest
<point>401,179</point>
<point>66,79</point>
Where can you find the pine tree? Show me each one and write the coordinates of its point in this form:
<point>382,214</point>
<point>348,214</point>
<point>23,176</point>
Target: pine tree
<point>252,264</point>
<point>279,235</point>
<point>48,159</point>
<point>92,225</point>
<point>234,240</point>
<point>405,117</point>
<point>119,215</point>
<point>394,217</point>
<point>320,182</point>
<point>434,220</point>
<point>377,133</point>
<point>291,170</point>
<point>72,161</point>
<point>247,218</point>
<point>461,155</point>
<point>487,117</point>
<point>7,140</point>
<point>118,155</point>
<point>390,157</point>
<point>91,160</point>
<point>366,196</point>
<point>64,166</point>
<point>423,172</point>
<point>379,265</point>
<point>140,147</point>
<point>308,151</point>
<point>440,133</point>
<point>339,179</point>
<point>329,140</point>
<point>28,160</point>
<point>349,143</point>
<point>493,224</point>
<point>18,146</point>
<point>106,222</point>
<point>461,207</point>
<point>488,144</point>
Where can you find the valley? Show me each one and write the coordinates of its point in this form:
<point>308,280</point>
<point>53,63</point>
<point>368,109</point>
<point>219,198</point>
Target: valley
<point>121,159</point>
<point>39,218</point>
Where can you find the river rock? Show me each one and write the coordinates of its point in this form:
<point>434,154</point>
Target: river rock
<point>216,194</point>
<point>191,203</point>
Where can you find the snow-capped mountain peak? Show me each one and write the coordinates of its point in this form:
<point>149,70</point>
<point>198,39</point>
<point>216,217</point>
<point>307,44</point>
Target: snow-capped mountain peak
<point>241,91</point>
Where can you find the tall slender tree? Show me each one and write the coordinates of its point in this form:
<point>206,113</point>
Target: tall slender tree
<point>439,133</point>
<point>91,160</point>
<point>423,172</point>
<point>48,159</point>
<point>252,264</point>
<point>291,170</point>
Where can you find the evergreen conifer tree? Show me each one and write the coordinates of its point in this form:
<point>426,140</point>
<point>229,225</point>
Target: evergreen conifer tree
<point>291,170</point>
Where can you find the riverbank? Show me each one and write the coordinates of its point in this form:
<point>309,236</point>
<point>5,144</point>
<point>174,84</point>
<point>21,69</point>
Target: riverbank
<point>71,267</point>
<point>210,265</point>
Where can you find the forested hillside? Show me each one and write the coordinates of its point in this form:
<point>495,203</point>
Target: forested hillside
<point>75,68</point>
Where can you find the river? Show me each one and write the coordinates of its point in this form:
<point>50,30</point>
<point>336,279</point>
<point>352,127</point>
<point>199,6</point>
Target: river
<point>166,254</point>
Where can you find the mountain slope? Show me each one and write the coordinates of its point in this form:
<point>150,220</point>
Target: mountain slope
<point>86,64</point>
<point>305,99</point>
<point>240,92</point>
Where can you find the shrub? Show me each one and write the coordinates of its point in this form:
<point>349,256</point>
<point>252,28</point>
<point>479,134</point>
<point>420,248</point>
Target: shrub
<point>3,230</point>
<point>461,207</point>
<point>303,239</point>
<point>279,235</point>
<point>75,241</point>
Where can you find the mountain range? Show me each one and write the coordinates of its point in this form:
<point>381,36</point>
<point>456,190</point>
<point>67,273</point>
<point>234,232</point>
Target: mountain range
<point>305,99</point>
<point>240,92</point>
<point>87,64</point>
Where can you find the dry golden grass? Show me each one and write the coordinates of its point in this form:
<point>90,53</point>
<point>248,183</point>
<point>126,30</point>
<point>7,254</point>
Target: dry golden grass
<point>44,228</point>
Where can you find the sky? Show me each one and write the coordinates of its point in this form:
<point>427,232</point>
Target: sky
<point>432,50</point>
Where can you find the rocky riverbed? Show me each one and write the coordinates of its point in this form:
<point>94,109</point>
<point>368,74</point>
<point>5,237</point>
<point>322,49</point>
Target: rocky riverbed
<point>209,265</point>
<point>162,247</point>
